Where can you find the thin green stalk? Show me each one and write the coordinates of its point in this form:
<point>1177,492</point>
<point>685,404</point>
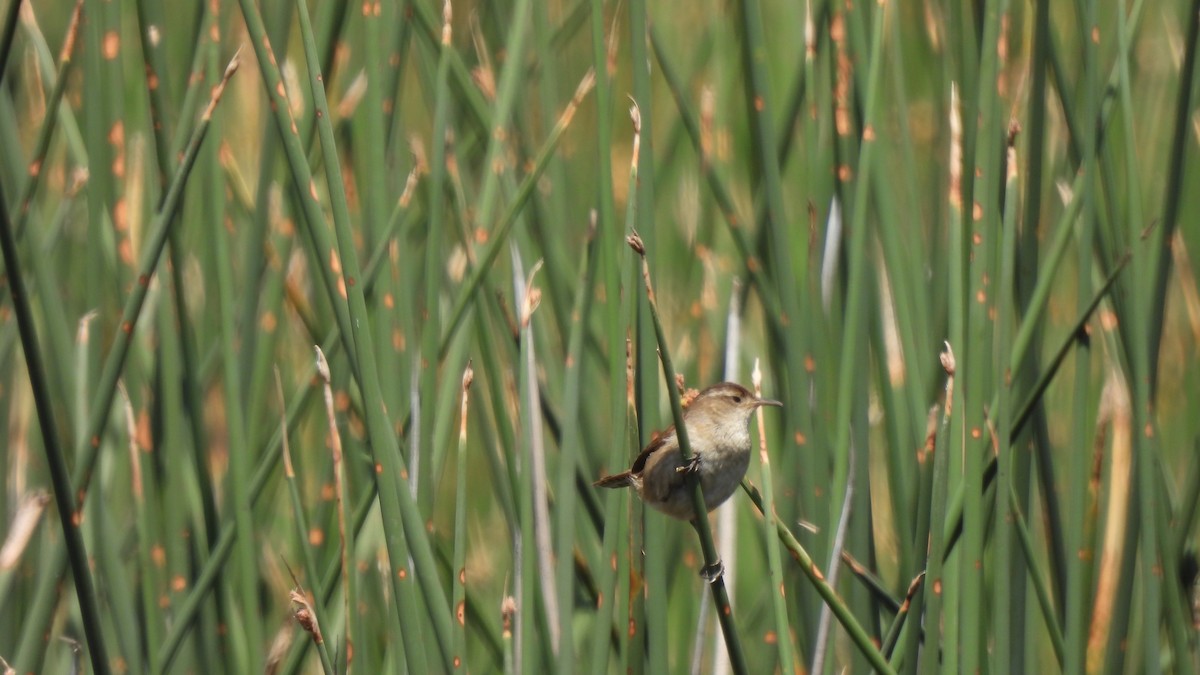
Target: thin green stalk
<point>909,288</point>
<point>901,623</point>
<point>7,34</point>
<point>720,596</point>
<point>980,214</point>
<point>159,83</point>
<point>345,535</point>
<point>570,459</point>
<point>907,649</point>
<point>244,583</point>
<point>1077,617</point>
<point>801,93</point>
<point>1159,258</point>
<point>255,231</point>
<point>552,207</point>
<point>511,77</point>
<point>50,123</point>
<point>862,640</point>
<point>932,618</point>
<point>640,202</point>
<point>459,568</point>
<point>490,361</point>
<point>470,95</point>
<point>531,557</point>
<point>851,400</point>
<point>1027,275</point>
<point>181,476</point>
<point>783,632</point>
<point>1041,592</point>
<point>1002,555</point>
<point>783,269</point>
<point>957,298</point>
<point>879,590</point>
<point>188,467</point>
<point>65,360</point>
<point>371,126</point>
<point>102,84</point>
<point>900,240</point>
<point>301,524</point>
<point>64,494</point>
<point>404,528</point>
<point>189,362</point>
<point>103,542</point>
<point>1068,341</point>
<point>1029,331</point>
<point>625,604</point>
<point>646,616</point>
<point>964,54</point>
<point>616,268</point>
<point>1146,369</point>
<point>67,123</point>
<point>434,248</point>
<point>1179,610</point>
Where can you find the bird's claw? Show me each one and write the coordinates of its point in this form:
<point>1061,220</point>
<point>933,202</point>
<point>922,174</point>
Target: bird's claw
<point>711,573</point>
<point>692,465</point>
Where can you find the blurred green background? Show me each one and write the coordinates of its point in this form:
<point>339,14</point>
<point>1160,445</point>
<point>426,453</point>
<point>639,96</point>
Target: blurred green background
<point>955,236</point>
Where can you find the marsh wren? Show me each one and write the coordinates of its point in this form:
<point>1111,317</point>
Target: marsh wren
<point>718,429</point>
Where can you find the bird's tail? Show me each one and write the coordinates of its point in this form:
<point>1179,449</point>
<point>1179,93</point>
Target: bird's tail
<point>620,480</point>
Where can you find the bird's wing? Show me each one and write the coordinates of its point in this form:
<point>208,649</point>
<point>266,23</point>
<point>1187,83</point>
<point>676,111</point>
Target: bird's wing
<point>639,464</point>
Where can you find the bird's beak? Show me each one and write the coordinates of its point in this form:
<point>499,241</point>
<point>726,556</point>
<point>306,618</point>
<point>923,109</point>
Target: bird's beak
<point>767,401</point>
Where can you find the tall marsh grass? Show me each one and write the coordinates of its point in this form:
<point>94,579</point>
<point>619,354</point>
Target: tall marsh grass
<point>955,238</point>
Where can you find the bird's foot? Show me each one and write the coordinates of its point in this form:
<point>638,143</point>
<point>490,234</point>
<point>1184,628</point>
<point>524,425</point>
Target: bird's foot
<point>711,573</point>
<point>692,465</point>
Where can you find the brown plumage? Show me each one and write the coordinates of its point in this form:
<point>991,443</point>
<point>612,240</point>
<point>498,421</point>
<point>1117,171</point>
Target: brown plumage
<point>718,431</point>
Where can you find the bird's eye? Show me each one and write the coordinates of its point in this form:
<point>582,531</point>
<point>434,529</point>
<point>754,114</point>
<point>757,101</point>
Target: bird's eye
<point>737,399</point>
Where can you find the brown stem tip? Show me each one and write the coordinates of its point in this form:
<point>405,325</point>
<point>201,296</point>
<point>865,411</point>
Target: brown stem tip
<point>635,242</point>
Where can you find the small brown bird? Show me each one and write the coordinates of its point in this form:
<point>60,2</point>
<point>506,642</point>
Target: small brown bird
<point>718,431</point>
